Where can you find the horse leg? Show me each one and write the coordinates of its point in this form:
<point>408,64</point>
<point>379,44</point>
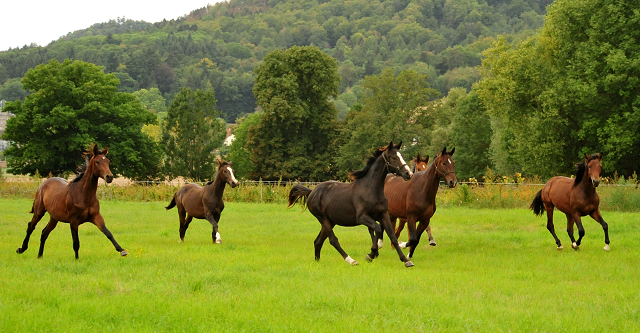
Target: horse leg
<point>376,240</point>
<point>411,224</point>
<point>432,241</point>
<point>570,223</point>
<point>317,244</point>
<point>578,221</point>
<point>596,216</point>
<point>398,231</point>
<point>76,239</point>
<point>333,240</point>
<point>550,226</point>
<point>31,226</point>
<point>386,223</point>
<point>215,235</point>
<point>182,214</point>
<point>418,233</point>
<point>184,225</point>
<point>45,233</point>
<point>98,221</point>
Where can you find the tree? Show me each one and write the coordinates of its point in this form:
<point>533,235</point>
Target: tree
<point>295,137</point>
<point>12,90</point>
<point>72,105</point>
<point>570,90</point>
<point>239,154</point>
<point>151,100</point>
<point>192,132</point>
<point>391,112</point>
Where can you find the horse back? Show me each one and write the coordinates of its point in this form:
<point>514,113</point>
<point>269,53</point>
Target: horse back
<point>52,197</point>
<point>333,200</point>
<point>563,195</point>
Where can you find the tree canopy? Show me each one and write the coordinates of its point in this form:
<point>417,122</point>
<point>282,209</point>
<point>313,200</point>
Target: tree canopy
<point>295,137</point>
<point>72,105</point>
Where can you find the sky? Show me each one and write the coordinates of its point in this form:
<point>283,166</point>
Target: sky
<point>42,21</point>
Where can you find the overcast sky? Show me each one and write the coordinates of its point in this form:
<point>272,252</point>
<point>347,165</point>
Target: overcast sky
<point>42,21</point>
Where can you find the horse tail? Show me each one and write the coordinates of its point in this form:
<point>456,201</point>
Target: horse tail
<point>298,192</point>
<point>537,205</point>
<point>172,203</point>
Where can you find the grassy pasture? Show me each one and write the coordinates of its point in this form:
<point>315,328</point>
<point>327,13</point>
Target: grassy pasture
<point>492,271</point>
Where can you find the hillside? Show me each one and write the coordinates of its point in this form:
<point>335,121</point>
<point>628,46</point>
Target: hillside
<point>220,45</point>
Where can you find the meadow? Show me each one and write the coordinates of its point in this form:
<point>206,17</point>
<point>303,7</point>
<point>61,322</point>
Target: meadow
<point>493,270</point>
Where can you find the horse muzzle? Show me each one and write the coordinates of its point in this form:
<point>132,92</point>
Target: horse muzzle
<point>595,182</point>
<point>108,179</point>
<point>233,184</point>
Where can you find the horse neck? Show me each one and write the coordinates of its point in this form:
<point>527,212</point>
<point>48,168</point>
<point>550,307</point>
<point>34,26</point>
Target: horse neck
<point>376,175</point>
<point>585,184</point>
<point>88,185</point>
<point>431,181</point>
<point>217,188</point>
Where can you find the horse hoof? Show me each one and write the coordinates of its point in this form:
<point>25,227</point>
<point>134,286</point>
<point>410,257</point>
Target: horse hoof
<point>432,242</point>
<point>350,260</point>
<point>575,246</point>
<point>408,263</point>
<point>218,241</point>
<point>560,247</point>
<point>402,245</point>
<point>369,259</point>
<point>607,248</point>
<point>124,253</point>
<point>19,250</point>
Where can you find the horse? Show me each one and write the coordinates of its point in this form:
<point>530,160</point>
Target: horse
<point>361,202</point>
<point>418,164</point>
<point>415,200</point>
<point>205,202</point>
<point>74,203</point>
<point>575,198</point>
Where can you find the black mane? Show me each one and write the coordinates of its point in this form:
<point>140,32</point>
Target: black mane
<point>220,165</point>
<point>372,159</point>
<point>82,168</point>
<point>580,169</point>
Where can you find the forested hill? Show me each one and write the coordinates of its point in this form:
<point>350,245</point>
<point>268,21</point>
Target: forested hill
<point>220,45</point>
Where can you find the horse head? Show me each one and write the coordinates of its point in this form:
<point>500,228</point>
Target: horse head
<point>445,167</point>
<point>395,161</point>
<point>100,164</point>
<point>594,168</point>
<point>419,163</point>
<point>226,172</point>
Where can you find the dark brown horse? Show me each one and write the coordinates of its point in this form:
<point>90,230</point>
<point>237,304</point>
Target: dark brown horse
<point>415,200</point>
<point>418,164</point>
<point>74,203</point>
<point>575,198</point>
<point>361,202</point>
<point>205,202</point>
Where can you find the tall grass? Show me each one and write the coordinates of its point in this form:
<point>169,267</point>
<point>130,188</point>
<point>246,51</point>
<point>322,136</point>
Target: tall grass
<point>622,195</point>
<point>494,270</point>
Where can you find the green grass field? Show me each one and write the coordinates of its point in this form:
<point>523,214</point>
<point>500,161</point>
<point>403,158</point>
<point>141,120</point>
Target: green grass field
<point>492,271</point>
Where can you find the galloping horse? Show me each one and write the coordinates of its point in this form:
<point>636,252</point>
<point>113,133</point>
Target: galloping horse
<point>418,164</point>
<point>415,200</point>
<point>361,202</point>
<point>203,202</point>
<point>575,198</point>
<point>74,203</point>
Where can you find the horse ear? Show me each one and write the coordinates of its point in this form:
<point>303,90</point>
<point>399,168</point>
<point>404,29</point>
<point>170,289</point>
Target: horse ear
<point>95,150</point>
<point>444,151</point>
<point>586,157</point>
<point>452,151</point>
<point>426,159</point>
<point>399,145</point>
<point>105,151</point>
<point>390,144</point>
<point>599,156</point>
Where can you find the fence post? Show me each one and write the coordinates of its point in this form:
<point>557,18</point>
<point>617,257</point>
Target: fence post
<point>260,189</point>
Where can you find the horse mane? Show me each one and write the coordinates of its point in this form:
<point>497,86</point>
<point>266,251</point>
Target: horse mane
<point>82,168</point>
<point>580,169</point>
<point>372,159</point>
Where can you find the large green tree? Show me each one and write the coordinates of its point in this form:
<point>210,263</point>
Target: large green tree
<point>572,89</point>
<point>73,104</point>
<point>192,132</point>
<point>393,110</point>
<point>238,152</point>
<point>295,138</point>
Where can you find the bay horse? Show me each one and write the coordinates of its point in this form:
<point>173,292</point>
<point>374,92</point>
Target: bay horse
<point>361,202</point>
<point>415,200</point>
<point>205,202</point>
<point>418,164</point>
<point>575,198</point>
<point>74,203</point>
